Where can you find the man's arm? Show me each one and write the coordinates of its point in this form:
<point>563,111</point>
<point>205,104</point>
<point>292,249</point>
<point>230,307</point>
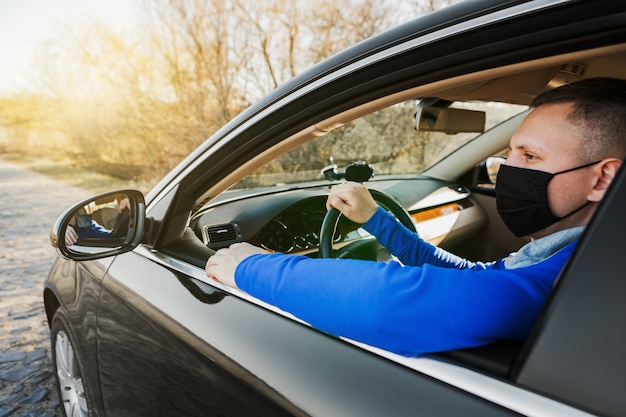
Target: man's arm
<point>357,204</point>
<point>409,248</point>
<point>407,310</point>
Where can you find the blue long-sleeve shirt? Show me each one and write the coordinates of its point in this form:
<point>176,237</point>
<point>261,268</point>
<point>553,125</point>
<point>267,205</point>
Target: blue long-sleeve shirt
<point>432,301</point>
<point>93,230</point>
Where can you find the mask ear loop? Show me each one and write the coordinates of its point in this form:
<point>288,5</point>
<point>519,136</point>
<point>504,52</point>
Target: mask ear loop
<point>570,170</point>
<point>577,168</point>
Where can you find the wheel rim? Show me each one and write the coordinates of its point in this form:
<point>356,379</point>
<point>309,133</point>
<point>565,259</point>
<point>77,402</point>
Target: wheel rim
<point>69,378</point>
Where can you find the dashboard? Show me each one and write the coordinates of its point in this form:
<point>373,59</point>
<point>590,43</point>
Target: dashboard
<point>289,219</point>
<point>295,229</point>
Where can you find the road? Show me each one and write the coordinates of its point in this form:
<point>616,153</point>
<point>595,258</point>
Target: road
<point>29,204</point>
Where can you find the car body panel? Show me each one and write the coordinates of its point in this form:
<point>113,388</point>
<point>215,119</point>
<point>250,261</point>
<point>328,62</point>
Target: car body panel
<point>75,288</point>
<point>235,358</point>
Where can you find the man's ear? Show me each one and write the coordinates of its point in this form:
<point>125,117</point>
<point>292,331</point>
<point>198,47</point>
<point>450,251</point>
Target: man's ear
<point>606,171</point>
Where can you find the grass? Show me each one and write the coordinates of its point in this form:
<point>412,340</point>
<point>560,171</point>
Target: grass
<point>65,171</point>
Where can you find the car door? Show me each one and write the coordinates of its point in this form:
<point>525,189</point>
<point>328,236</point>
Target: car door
<point>170,344</point>
<point>151,362</point>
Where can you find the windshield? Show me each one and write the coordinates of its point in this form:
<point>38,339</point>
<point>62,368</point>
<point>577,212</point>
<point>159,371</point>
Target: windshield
<point>386,140</point>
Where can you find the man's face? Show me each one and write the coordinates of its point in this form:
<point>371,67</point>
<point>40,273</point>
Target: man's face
<point>547,141</point>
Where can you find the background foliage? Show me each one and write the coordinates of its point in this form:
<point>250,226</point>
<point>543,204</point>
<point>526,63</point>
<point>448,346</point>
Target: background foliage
<point>133,105</point>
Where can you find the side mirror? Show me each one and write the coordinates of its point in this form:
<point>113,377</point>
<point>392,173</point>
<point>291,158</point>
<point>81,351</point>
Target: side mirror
<point>105,225</point>
<point>492,166</point>
<point>484,176</point>
<point>449,120</point>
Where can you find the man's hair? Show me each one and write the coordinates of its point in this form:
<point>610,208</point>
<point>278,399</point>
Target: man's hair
<point>599,111</point>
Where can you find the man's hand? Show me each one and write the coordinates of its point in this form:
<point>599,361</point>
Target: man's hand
<point>71,237</point>
<point>353,200</point>
<point>123,204</point>
<point>222,265</point>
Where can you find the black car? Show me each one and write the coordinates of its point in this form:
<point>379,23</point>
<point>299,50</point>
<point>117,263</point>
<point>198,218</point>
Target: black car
<point>424,114</point>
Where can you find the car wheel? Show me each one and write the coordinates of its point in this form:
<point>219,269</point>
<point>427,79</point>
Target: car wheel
<point>68,370</point>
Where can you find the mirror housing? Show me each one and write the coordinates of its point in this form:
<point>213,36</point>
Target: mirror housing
<point>105,225</point>
<point>449,120</point>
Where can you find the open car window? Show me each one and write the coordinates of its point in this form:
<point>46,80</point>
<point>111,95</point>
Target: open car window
<point>386,139</point>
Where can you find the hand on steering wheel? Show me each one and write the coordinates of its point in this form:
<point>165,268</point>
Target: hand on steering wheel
<point>353,200</point>
<point>329,224</point>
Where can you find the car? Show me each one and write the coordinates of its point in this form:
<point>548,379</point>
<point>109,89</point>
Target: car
<point>422,114</point>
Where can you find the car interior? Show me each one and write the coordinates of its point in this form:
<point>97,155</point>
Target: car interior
<point>450,200</point>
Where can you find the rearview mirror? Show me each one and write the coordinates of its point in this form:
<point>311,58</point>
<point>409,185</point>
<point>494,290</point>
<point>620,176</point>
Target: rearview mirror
<point>105,225</point>
<point>449,120</point>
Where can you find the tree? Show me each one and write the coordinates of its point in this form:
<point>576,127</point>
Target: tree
<point>133,105</point>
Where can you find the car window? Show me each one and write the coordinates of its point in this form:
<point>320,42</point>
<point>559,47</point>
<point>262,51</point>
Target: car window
<point>386,139</point>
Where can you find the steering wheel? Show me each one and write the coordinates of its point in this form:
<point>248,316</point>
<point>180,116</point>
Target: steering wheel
<point>329,224</point>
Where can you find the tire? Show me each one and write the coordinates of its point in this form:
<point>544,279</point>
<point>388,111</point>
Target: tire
<point>68,369</point>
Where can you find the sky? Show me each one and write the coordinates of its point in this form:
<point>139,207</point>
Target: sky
<point>25,24</point>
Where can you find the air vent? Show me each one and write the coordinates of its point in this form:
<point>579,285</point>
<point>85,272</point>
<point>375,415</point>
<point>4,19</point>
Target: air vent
<point>574,69</point>
<point>221,233</point>
<point>568,73</point>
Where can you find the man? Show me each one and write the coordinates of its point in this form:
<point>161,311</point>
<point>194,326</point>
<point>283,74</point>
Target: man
<point>562,160</point>
<point>85,227</point>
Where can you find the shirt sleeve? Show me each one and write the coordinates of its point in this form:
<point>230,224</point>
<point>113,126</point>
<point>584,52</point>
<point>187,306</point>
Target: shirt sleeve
<point>410,249</point>
<point>94,230</point>
<point>408,310</point>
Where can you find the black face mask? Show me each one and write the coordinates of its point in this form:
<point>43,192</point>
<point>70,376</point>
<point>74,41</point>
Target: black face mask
<point>522,199</point>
